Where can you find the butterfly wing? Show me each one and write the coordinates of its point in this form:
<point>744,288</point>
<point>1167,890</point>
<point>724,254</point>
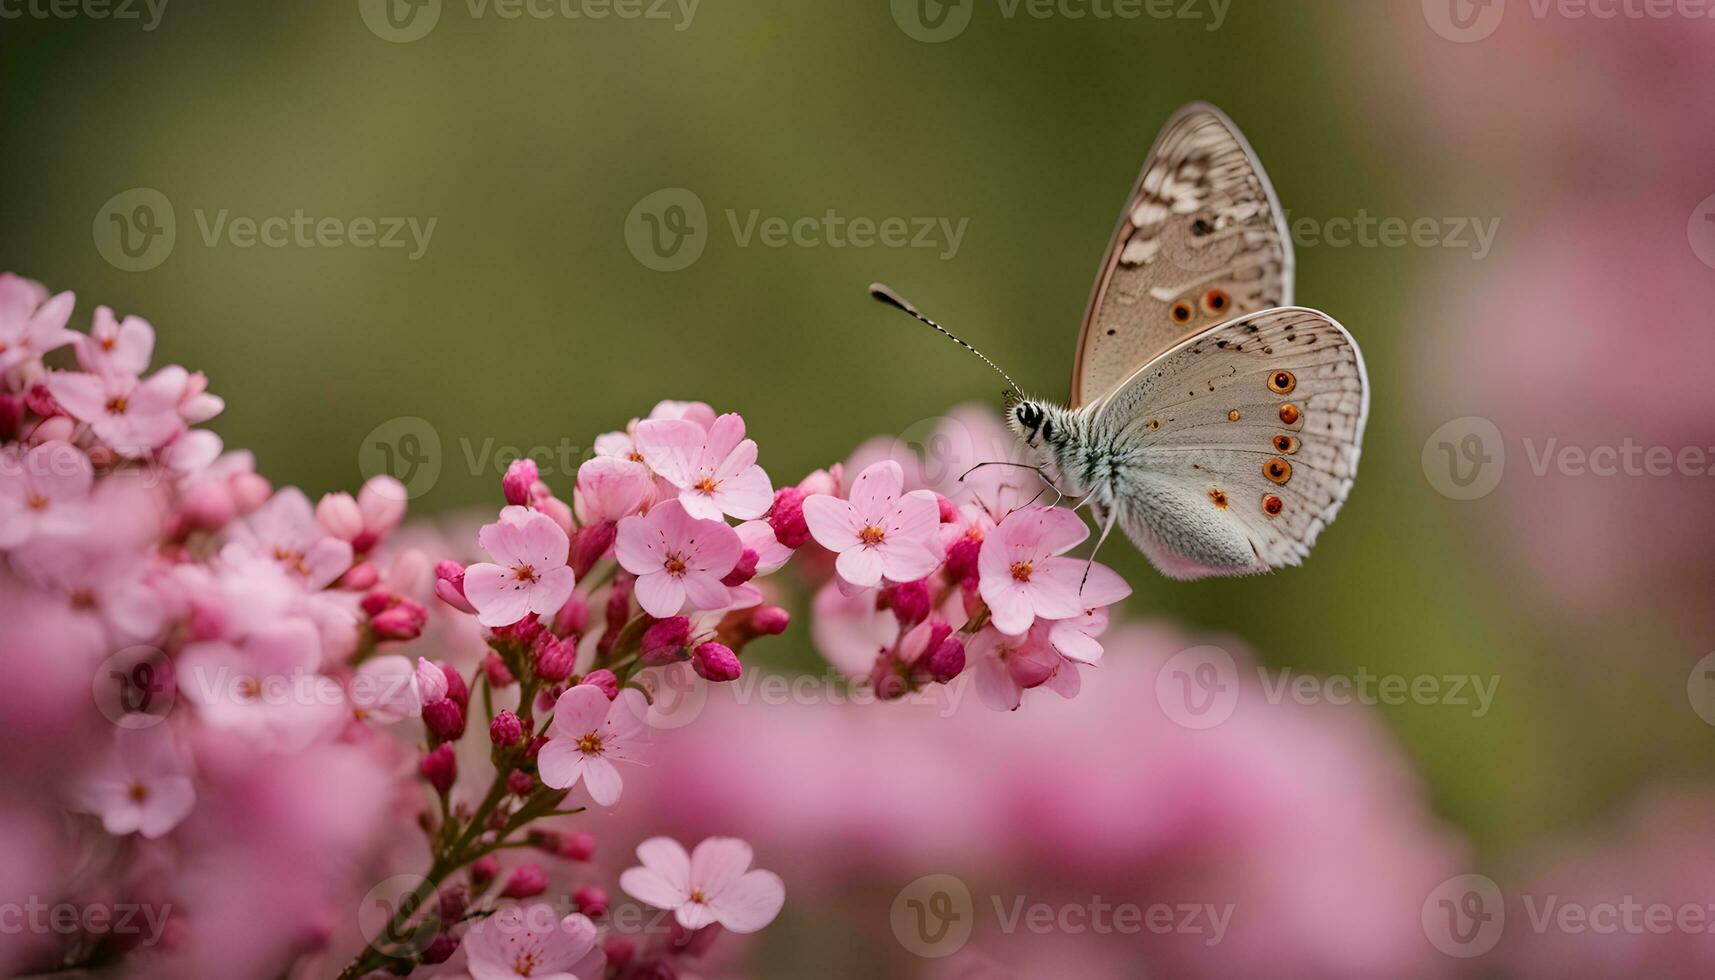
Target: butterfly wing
<point>1237,447</point>
<point>1201,240</point>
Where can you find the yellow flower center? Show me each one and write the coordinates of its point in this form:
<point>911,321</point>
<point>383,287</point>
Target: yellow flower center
<point>707,485</point>
<point>1021,571</point>
<point>872,535</point>
<point>590,744</point>
<point>675,565</point>
<point>117,405</point>
<point>524,573</point>
<point>36,501</point>
<point>526,963</point>
<point>139,792</point>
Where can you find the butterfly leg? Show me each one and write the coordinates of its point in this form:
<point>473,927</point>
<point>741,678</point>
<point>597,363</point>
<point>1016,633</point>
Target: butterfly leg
<point>1107,527</point>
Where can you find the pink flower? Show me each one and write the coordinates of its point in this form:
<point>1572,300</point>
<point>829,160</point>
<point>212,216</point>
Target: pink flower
<point>144,787</point>
<point>677,558</point>
<point>133,417</point>
<point>30,323</point>
<point>877,533</point>
<point>589,733</point>
<point>116,346</point>
<point>40,486</point>
<point>531,577</point>
<point>285,529</point>
<point>527,942</point>
<point>711,885</point>
<point>611,488</point>
<point>1022,580</point>
<point>265,688</point>
<point>1007,666</point>
<point>714,470</point>
<point>385,689</point>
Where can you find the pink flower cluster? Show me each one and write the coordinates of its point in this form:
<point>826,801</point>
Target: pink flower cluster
<point>924,581</point>
<point>249,648</point>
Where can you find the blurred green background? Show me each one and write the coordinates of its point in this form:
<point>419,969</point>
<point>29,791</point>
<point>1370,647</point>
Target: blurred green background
<point>528,320</point>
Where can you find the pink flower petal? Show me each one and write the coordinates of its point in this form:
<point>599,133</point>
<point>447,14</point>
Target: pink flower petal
<point>750,903</point>
<point>746,494</point>
<point>717,863</point>
<point>672,448</point>
<point>602,780</point>
<point>499,597</point>
<point>833,522</point>
<point>666,858</point>
<point>660,594</point>
<point>560,764</point>
<point>704,591</point>
<point>551,591</point>
<point>876,490</point>
<point>579,711</point>
<point>861,567</point>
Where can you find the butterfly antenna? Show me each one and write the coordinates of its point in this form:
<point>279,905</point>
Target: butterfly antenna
<point>893,299</point>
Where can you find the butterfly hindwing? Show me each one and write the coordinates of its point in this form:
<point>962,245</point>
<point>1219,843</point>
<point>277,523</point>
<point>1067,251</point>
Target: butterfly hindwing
<point>1201,240</point>
<point>1235,448</point>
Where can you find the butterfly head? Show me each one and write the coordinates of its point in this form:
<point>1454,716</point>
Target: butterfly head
<point>1032,422</point>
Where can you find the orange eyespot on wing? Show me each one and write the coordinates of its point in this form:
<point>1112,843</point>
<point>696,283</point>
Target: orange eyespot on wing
<point>1272,505</point>
<point>1219,497</point>
<point>1277,470</point>
<point>1285,445</point>
<point>1216,302</point>
<point>1289,414</point>
<point>1281,382</point>
<point>1182,312</point>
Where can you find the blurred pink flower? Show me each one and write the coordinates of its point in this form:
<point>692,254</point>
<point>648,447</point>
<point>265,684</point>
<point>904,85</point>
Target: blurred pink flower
<point>528,942</point>
<point>714,884</point>
<point>115,346</point>
<point>133,417</point>
<point>286,530</point>
<point>144,787</point>
<point>39,486</point>
<point>31,324</point>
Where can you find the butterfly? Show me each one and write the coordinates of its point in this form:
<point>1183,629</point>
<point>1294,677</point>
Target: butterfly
<point>1217,424</point>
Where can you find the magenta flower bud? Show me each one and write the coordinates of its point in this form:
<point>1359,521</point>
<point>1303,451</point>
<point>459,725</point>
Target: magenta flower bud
<point>519,478</point>
<point>456,689</point>
<point>556,659</point>
<point>577,846</point>
<point>440,767</point>
<point>605,680</point>
<point>404,620</point>
<point>742,572</point>
<point>910,601</point>
<point>520,783</point>
<point>962,559</point>
<point>484,870</point>
<point>619,950</point>
<point>715,662</point>
<point>618,611</point>
<point>592,544</point>
<point>573,617</point>
<point>590,901</point>
<point>431,681</point>
<point>506,730</point>
<point>495,669</point>
<point>338,515</point>
<point>948,660</point>
<point>440,949</point>
<point>769,621</point>
<point>949,510</point>
<point>449,586</point>
<point>41,401</point>
<point>526,881</point>
<point>454,902</point>
<point>665,641</point>
<point>360,577</point>
<point>374,601</point>
<point>11,414</point>
<point>786,517</point>
<point>535,746</point>
<point>444,718</point>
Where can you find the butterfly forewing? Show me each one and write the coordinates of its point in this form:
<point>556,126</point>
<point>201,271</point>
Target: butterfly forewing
<point>1235,448</point>
<point>1201,240</point>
